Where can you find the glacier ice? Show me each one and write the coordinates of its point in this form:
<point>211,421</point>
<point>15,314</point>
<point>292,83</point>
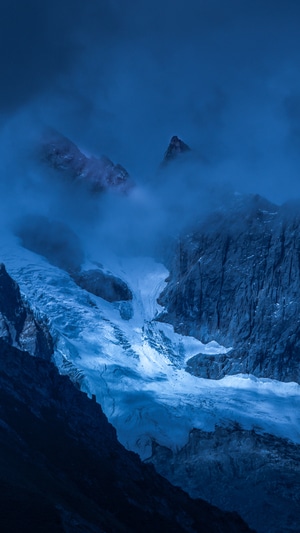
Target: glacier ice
<point>135,367</point>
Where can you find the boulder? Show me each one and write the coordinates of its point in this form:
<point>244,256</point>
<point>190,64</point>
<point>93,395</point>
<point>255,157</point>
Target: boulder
<point>104,284</point>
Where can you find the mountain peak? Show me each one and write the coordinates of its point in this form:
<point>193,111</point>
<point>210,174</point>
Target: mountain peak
<point>98,174</point>
<point>175,148</point>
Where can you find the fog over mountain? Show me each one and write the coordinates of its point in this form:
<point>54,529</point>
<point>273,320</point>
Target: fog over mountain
<point>121,79</point>
<point>165,276</point>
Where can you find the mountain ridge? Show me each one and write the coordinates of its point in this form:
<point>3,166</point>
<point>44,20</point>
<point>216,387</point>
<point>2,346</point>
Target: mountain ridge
<point>64,470</point>
<point>236,279</point>
<point>126,354</point>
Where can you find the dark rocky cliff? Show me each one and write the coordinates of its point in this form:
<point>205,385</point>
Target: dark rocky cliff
<point>236,279</point>
<point>18,325</point>
<point>63,470</point>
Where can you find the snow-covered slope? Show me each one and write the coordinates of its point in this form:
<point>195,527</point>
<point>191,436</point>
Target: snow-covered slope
<point>135,367</point>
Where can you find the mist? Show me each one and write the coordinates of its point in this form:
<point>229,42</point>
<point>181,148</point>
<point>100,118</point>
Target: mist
<point>121,79</point>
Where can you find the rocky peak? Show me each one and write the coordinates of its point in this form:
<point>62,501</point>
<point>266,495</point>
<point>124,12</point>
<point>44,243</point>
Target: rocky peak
<point>175,148</point>
<point>97,174</point>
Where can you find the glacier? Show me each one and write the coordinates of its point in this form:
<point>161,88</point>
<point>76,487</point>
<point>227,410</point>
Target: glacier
<point>136,367</point>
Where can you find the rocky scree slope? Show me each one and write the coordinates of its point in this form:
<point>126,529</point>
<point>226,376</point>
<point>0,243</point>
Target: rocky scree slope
<point>236,279</point>
<point>63,470</point>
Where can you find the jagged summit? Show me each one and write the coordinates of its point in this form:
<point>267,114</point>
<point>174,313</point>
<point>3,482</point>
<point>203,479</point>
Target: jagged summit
<point>175,148</point>
<point>98,174</point>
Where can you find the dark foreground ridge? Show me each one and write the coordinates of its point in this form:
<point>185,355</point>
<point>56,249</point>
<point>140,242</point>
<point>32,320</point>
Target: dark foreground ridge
<point>63,470</point>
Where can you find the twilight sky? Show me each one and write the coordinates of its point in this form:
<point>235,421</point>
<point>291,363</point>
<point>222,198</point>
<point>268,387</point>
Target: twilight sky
<point>121,77</point>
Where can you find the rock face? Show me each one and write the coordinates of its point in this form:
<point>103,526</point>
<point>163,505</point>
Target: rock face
<point>236,279</point>
<point>63,470</point>
<point>261,474</point>
<point>104,284</point>
<point>97,174</point>
<point>175,148</point>
<point>18,326</point>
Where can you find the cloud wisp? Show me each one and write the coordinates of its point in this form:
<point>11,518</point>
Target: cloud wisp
<point>121,80</point>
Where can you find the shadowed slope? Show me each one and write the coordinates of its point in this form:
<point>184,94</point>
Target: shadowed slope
<point>62,468</point>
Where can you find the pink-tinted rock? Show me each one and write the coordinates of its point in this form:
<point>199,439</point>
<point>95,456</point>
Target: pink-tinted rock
<point>98,174</point>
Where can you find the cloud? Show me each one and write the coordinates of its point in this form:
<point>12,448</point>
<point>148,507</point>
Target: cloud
<point>40,41</point>
<point>121,78</point>
<point>216,74</point>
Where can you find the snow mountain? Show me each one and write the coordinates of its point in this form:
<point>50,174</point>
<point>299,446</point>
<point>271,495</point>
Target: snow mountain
<point>235,278</point>
<point>194,359</point>
<point>95,174</point>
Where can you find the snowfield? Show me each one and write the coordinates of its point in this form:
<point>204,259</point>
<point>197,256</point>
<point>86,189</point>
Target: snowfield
<point>136,367</point>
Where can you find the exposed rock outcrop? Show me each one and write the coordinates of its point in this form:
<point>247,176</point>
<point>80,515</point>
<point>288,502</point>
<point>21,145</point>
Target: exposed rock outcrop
<point>63,470</point>
<point>175,148</point>
<point>261,474</point>
<point>236,279</point>
<point>103,284</point>
<point>97,174</point>
<point>18,326</point>
<point>61,246</point>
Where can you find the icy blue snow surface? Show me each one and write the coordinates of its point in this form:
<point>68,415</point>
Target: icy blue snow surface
<point>136,367</point>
